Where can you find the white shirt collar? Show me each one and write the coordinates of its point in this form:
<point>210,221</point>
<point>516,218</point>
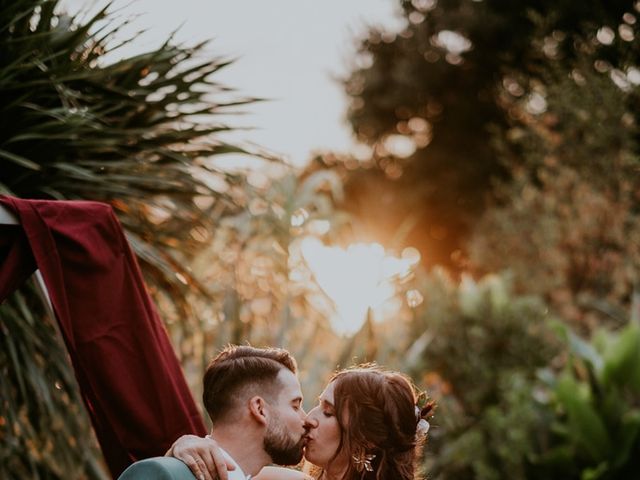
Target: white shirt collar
<point>236,474</point>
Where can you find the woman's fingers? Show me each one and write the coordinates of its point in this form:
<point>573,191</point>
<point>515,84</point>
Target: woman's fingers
<point>194,466</point>
<point>217,465</point>
<point>207,474</point>
<point>220,462</point>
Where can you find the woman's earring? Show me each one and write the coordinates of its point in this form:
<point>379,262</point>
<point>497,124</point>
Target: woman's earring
<point>363,461</point>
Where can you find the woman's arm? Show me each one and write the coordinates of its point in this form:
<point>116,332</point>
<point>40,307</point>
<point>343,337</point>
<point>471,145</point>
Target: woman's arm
<point>203,457</point>
<point>280,473</point>
<point>207,462</point>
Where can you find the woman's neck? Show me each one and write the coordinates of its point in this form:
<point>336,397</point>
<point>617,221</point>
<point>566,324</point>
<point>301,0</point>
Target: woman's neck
<point>333,474</point>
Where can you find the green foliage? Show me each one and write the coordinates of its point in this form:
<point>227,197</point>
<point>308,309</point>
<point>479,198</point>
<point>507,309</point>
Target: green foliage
<point>567,224</point>
<point>44,428</point>
<point>596,431</point>
<point>485,345</point>
<point>505,411</point>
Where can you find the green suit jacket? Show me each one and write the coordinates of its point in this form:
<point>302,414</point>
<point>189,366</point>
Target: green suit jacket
<point>157,468</point>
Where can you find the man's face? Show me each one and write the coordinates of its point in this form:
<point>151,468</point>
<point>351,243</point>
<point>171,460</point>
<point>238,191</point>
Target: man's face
<point>286,434</point>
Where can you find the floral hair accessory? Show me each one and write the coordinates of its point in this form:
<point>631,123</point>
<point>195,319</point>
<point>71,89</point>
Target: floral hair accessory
<point>422,425</point>
<point>363,461</point>
<point>424,409</point>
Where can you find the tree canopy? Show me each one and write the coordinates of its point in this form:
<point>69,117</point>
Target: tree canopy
<point>430,102</point>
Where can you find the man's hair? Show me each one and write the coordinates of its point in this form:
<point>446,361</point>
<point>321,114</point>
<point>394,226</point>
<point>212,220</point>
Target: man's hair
<point>240,370</point>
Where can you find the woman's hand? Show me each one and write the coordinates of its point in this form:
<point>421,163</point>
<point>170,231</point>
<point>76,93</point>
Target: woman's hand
<point>203,457</point>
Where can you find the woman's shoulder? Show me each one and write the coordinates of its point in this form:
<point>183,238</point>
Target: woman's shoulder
<point>280,473</point>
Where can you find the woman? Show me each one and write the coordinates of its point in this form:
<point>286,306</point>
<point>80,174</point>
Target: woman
<point>366,426</point>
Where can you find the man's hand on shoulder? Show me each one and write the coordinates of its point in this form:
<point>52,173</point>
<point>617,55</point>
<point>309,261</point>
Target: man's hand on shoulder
<point>203,457</point>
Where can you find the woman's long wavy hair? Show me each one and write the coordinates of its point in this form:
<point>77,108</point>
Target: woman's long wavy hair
<point>376,411</point>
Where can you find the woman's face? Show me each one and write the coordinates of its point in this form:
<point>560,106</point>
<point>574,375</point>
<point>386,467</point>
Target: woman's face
<point>324,434</point>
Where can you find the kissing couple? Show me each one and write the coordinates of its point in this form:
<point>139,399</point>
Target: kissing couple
<point>367,424</point>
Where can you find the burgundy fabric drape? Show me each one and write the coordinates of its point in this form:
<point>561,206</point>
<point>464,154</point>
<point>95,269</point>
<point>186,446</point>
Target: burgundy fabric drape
<point>129,376</point>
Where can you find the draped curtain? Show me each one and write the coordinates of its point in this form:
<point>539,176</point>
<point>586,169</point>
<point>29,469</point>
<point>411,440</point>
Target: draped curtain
<point>128,374</point>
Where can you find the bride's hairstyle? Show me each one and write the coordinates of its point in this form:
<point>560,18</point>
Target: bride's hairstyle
<point>378,418</point>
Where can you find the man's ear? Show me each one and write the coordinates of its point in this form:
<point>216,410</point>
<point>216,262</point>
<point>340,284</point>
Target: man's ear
<point>259,409</point>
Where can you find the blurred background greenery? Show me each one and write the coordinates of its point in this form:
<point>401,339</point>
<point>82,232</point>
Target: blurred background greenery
<point>501,177</point>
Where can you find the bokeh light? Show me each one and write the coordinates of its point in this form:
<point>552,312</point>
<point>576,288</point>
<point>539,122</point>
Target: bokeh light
<point>360,277</point>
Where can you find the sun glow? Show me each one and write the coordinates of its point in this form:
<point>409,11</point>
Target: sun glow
<point>356,279</point>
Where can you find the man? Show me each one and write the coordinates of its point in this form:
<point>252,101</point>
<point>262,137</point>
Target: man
<point>254,400</point>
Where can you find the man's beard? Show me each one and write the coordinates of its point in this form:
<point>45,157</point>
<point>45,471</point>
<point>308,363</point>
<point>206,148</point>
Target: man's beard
<point>280,446</point>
